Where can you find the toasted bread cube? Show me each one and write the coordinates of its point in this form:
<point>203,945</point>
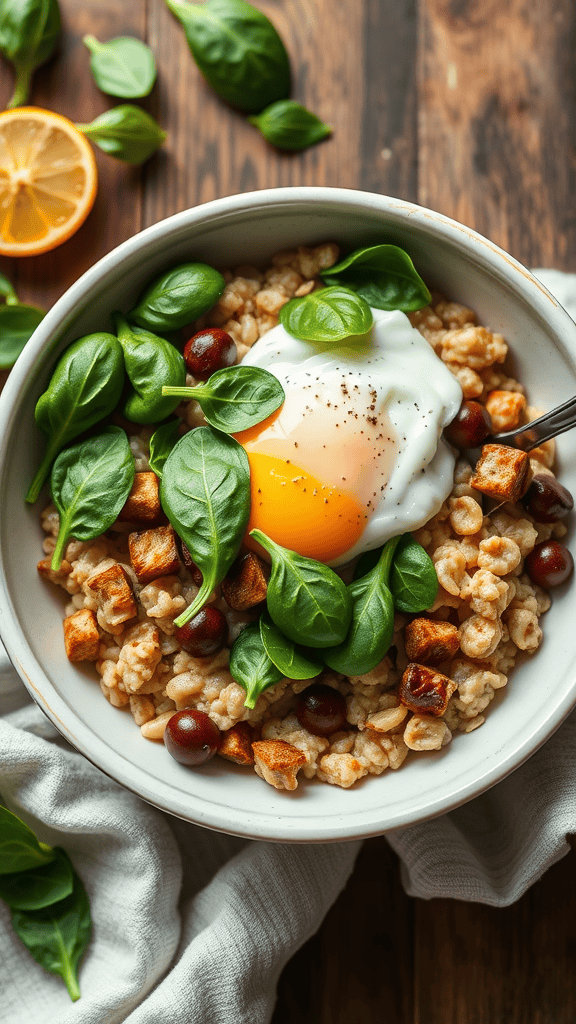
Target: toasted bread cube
<point>113,589</point>
<point>153,553</point>
<point>425,691</point>
<point>505,409</point>
<point>143,502</point>
<point>81,636</point>
<point>245,585</point>
<point>278,763</point>
<point>236,744</point>
<point>430,642</point>
<point>501,472</point>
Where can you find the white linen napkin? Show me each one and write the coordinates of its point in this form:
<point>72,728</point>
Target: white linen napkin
<point>194,926</point>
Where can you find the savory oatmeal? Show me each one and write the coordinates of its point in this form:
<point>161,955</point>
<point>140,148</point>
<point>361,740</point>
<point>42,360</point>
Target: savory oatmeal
<point>444,665</point>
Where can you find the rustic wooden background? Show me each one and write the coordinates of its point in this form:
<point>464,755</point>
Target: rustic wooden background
<point>466,106</point>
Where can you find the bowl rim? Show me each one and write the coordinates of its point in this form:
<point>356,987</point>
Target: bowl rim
<point>269,827</point>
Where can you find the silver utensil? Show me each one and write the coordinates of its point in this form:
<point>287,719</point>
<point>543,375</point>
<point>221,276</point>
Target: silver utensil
<point>529,436</point>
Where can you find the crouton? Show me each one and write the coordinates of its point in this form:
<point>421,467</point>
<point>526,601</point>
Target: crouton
<point>81,636</point>
<point>278,763</point>
<point>501,472</point>
<point>430,642</point>
<point>153,553</point>
<point>143,502</point>
<point>425,691</point>
<point>236,744</point>
<point>245,584</point>
<point>113,590</point>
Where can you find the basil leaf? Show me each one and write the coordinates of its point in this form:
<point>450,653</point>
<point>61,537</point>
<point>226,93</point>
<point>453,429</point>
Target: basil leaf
<point>288,125</point>
<point>292,663</point>
<point>90,483</point>
<point>238,51</point>
<point>85,386</point>
<point>58,935</point>
<point>122,67</point>
<point>372,626</point>
<point>250,665</point>
<point>161,444</point>
<point>19,848</point>
<point>413,580</point>
<point>305,599</point>
<point>38,887</point>
<point>205,492</point>
<point>236,397</point>
<point>29,32</point>
<point>179,296</point>
<point>383,275</point>
<point>330,314</point>
<point>17,325</point>
<point>149,360</point>
<point>126,132</point>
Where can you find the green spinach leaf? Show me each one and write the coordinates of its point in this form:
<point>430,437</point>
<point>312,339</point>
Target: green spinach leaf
<point>161,444</point>
<point>179,296</point>
<point>413,580</point>
<point>17,324</point>
<point>38,887</point>
<point>19,848</point>
<point>205,492</point>
<point>122,67</point>
<point>330,314</point>
<point>58,935</point>
<point>306,600</point>
<point>29,32</point>
<point>372,626</point>
<point>236,397</point>
<point>126,132</point>
<point>238,51</point>
<point>150,361</point>
<point>85,386</point>
<point>90,483</point>
<point>291,662</point>
<point>250,665</point>
<point>383,275</point>
<point>288,125</point>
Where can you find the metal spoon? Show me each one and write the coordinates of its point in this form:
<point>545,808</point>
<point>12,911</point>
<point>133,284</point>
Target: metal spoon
<point>529,436</point>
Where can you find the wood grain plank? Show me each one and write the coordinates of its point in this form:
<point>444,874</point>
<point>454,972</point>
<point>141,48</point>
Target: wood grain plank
<point>359,966</point>
<point>497,114</point>
<point>483,965</point>
<point>65,85</point>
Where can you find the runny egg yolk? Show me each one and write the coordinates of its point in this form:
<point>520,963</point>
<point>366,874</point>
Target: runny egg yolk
<point>317,469</point>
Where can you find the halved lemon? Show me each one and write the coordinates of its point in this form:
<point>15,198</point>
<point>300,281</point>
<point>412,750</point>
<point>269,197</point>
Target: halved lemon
<point>48,180</point>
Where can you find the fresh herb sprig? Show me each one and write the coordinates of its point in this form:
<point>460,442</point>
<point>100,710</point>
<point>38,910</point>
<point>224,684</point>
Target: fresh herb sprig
<point>90,483</point>
<point>29,34</point>
<point>50,911</point>
<point>17,324</point>
<point>235,398</point>
<point>383,275</point>
<point>123,67</point>
<point>148,359</point>
<point>238,50</point>
<point>327,315</point>
<point>289,126</point>
<point>84,388</point>
<point>205,492</point>
<point>125,132</point>
<point>177,297</point>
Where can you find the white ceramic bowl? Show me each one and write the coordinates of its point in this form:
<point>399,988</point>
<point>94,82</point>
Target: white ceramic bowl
<point>242,229</point>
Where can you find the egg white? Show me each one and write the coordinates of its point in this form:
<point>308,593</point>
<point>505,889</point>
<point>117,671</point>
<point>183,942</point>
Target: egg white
<point>414,388</point>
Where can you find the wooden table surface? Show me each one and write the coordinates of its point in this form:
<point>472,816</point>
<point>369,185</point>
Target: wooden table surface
<point>468,108</point>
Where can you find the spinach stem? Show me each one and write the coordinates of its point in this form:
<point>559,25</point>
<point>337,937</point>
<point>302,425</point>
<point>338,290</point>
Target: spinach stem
<point>41,474</point>
<point>21,88</point>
